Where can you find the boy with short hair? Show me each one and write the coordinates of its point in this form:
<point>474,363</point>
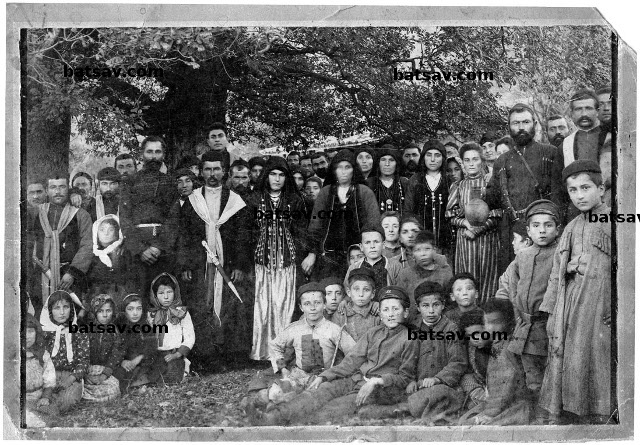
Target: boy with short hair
<point>357,318</point>
<point>386,270</point>
<point>390,222</point>
<point>427,266</point>
<point>436,394</point>
<point>314,339</point>
<point>334,292</point>
<point>578,298</point>
<point>378,369</point>
<point>531,271</point>
<point>507,396</point>
<point>464,293</point>
<point>409,229</point>
<point>519,242</point>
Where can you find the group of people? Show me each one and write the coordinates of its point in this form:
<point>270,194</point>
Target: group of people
<point>327,265</point>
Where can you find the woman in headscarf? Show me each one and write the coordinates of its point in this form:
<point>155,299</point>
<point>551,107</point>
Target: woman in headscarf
<point>428,193</point>
<point>344,206</point>
<point>69,352</point>
<point>139,344</point>
<point>388,184</point>
<point>365,159</point>
<point>106,351</point>
<point>279,241</point>
<point>175,344</point>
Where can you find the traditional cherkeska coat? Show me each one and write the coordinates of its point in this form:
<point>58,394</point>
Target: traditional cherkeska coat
<point>578,299</point>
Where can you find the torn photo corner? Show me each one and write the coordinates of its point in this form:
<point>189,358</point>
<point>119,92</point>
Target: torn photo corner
<point>334,159</point>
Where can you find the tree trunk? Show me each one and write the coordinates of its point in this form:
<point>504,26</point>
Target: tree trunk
<point>48,146</point>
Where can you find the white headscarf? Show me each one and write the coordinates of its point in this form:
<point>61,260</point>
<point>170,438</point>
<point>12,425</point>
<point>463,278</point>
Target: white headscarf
<point>48,325</point>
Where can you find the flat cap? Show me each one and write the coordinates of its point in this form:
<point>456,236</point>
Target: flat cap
<point>312,286</point>
<point>396,292</point>
<point>428,288</point>
<point>363,271</point>
<point>543,207</point>
<point>580,166</point>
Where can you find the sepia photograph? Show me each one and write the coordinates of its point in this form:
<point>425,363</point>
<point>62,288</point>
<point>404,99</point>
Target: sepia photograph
<point>325,223</point>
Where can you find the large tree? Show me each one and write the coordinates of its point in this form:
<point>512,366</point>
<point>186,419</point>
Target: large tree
<point>293,86</point>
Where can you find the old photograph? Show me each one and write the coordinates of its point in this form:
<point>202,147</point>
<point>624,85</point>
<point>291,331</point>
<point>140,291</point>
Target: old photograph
<point>317,223</point>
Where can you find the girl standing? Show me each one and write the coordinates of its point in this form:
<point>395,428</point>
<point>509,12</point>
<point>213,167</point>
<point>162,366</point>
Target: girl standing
<point>476,246</point>
<point>278,238</point>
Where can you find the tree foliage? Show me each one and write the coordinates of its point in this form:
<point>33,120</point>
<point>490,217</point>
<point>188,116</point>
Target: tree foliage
<point>294,86</point>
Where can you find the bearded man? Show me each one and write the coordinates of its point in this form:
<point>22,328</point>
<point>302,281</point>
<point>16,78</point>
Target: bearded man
<point>557,129</point>
<point>145,204</point>
<point>107,201</point>
<point>529,172</point>
<point>410,158</point>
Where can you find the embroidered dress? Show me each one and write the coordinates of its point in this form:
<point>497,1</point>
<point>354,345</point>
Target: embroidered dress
<point>389,198</point>
<point>428,203</point>
<point>478,256</point>
<point>275,267</point>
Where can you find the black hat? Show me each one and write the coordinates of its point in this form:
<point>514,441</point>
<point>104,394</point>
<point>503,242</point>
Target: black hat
<point>580,166</point>
<point>363,271</point>
<point>396,292</point>
<point>428,288</point>
<point>312,286</point>
<point>109,174</point>
<point>489,136</point>
<point>544,207</point>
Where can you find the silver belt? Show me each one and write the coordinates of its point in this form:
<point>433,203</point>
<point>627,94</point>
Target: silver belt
<point>153,226</point>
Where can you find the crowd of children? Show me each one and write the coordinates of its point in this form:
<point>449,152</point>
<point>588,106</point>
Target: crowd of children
<point>529,346</point>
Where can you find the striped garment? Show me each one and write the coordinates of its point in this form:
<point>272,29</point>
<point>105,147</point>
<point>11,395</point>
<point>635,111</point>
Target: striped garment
<point>478,256</point>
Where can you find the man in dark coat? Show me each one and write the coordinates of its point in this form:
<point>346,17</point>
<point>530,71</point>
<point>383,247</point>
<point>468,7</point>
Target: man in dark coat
<point>217,215</point>
<point>108,200</point>
<point>145,203</point>
<point>529,172</point>
<point>63,247</point>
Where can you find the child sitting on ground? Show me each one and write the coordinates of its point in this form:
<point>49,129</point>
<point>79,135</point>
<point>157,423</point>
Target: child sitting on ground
<point>386,270</point>
<point>519,242</point>
<point>106,350</point>
<point>177,342</point>
<point>109,271</point>
<point>508,400</point>
<point>357,318</point>
<point>474,382</point>
<point>464,292</point>
<point>140,347</point>
<point>69,352</point>
<point>40,375</point>
<point>376,371</point>
<point>334,292</point>
<point>314,339</point>
<point>436,395</point>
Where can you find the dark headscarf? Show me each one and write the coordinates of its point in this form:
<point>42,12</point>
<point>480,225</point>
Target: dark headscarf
<point>432,144</point>
<point>277,163</point>
<point>389,152</point>
<point>97,302</point>
<point>343,155</point>
<point>372,153</point>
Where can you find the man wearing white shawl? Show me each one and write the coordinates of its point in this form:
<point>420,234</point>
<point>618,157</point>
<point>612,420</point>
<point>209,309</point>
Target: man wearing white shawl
<point>60,240</point>
<point>217,215</point>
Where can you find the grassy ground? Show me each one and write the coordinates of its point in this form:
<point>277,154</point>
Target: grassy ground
<point>200,401</point>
